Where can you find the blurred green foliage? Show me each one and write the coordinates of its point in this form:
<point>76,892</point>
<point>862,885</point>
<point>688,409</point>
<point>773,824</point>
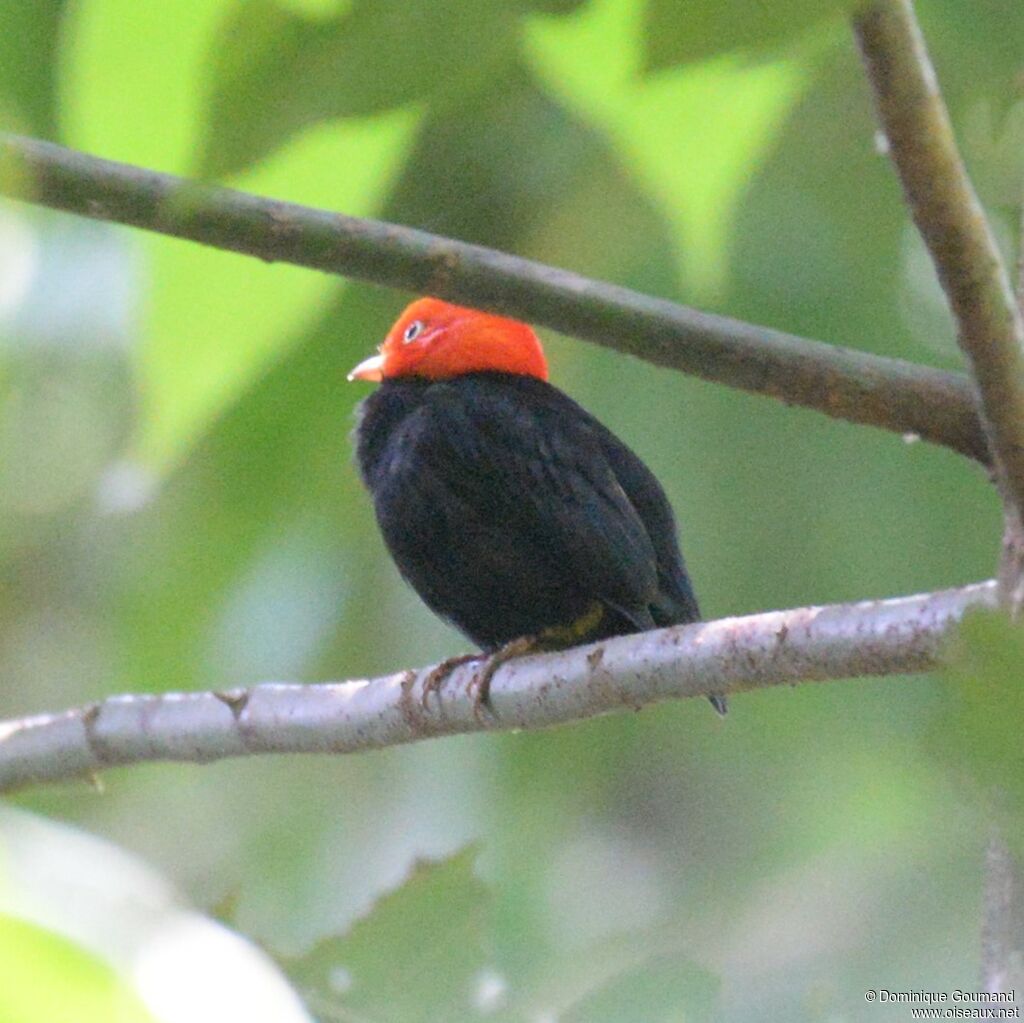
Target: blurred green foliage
<point>29,37</point>
<point>46,979</point>
<point>983,704</point>
<point>413,958</point>
<point>421,954</point>
<point>178,507</point>
<point>679,33</point>
<point>284,70</point>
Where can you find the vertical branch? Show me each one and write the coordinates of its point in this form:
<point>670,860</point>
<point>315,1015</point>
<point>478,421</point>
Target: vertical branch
<point>1002,932</point>
<point>1020,256</point>
<point>1011,563</point>
<point>952,223</point>
<point>990,331</point>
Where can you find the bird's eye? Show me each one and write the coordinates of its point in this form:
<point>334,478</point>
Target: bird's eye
<point>413,331</point>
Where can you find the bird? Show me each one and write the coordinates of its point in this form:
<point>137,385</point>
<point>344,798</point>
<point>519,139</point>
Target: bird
<point>513,513</point>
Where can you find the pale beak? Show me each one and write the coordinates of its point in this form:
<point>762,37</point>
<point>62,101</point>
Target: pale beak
<point>369,369</point>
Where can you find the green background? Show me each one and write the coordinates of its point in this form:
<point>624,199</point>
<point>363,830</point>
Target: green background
<point>179,509</point>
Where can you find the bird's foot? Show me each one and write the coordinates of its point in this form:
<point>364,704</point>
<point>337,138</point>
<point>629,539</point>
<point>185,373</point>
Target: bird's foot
<point>479,686</point>
<point>436,678</point>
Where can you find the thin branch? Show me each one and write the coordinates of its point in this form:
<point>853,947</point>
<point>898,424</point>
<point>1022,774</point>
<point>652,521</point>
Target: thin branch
<point>1002,935</point>
<point>846,384</point>
<point>1011,561</point>
<point>951,221</point>
<point>883,637</point>
<point>1002,923</point>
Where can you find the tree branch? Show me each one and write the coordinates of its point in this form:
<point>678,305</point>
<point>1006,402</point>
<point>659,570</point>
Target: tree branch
<point>951,221</point>
<point>1002,923</point>
<point>1002,933</point>
<point>843,383</point>
<point>990,328</point>
<point>883,637</point>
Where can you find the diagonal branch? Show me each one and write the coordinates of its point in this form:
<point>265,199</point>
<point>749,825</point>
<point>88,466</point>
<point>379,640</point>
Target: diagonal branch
<point>951,221</point>
<point>883,637</point>
<point>843,383</point>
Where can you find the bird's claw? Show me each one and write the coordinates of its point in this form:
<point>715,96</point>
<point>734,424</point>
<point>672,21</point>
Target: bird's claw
<point>478,688</point>
<point>479,685</point>
<point>438,675</point>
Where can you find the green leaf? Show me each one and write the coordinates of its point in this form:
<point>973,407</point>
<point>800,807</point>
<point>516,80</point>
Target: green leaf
<point>44,978</point>
<point>241,315</point>
<point>677,33</point>
<point>977,52</point>
<point>29,35</point>
<point>726,112</point>
<point>978,729</point>
<point>213,321</point>
<point>662,990</point>
<point>276,71</point>
<point>555,6</point>
<point>413,958</point>
<point>126,93</point>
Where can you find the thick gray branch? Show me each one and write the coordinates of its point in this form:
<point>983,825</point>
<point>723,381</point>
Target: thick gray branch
<point>883,637</point>
<point>846,384</point>
<point>953,225</point>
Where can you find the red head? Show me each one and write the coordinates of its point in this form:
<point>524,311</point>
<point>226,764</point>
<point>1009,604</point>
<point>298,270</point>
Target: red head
<point>437,340</point>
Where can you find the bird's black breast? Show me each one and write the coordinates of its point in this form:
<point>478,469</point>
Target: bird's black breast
<point>510,509</point>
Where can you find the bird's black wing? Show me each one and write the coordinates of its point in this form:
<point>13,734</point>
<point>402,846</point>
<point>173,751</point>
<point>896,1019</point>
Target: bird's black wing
<point>676,601</point>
